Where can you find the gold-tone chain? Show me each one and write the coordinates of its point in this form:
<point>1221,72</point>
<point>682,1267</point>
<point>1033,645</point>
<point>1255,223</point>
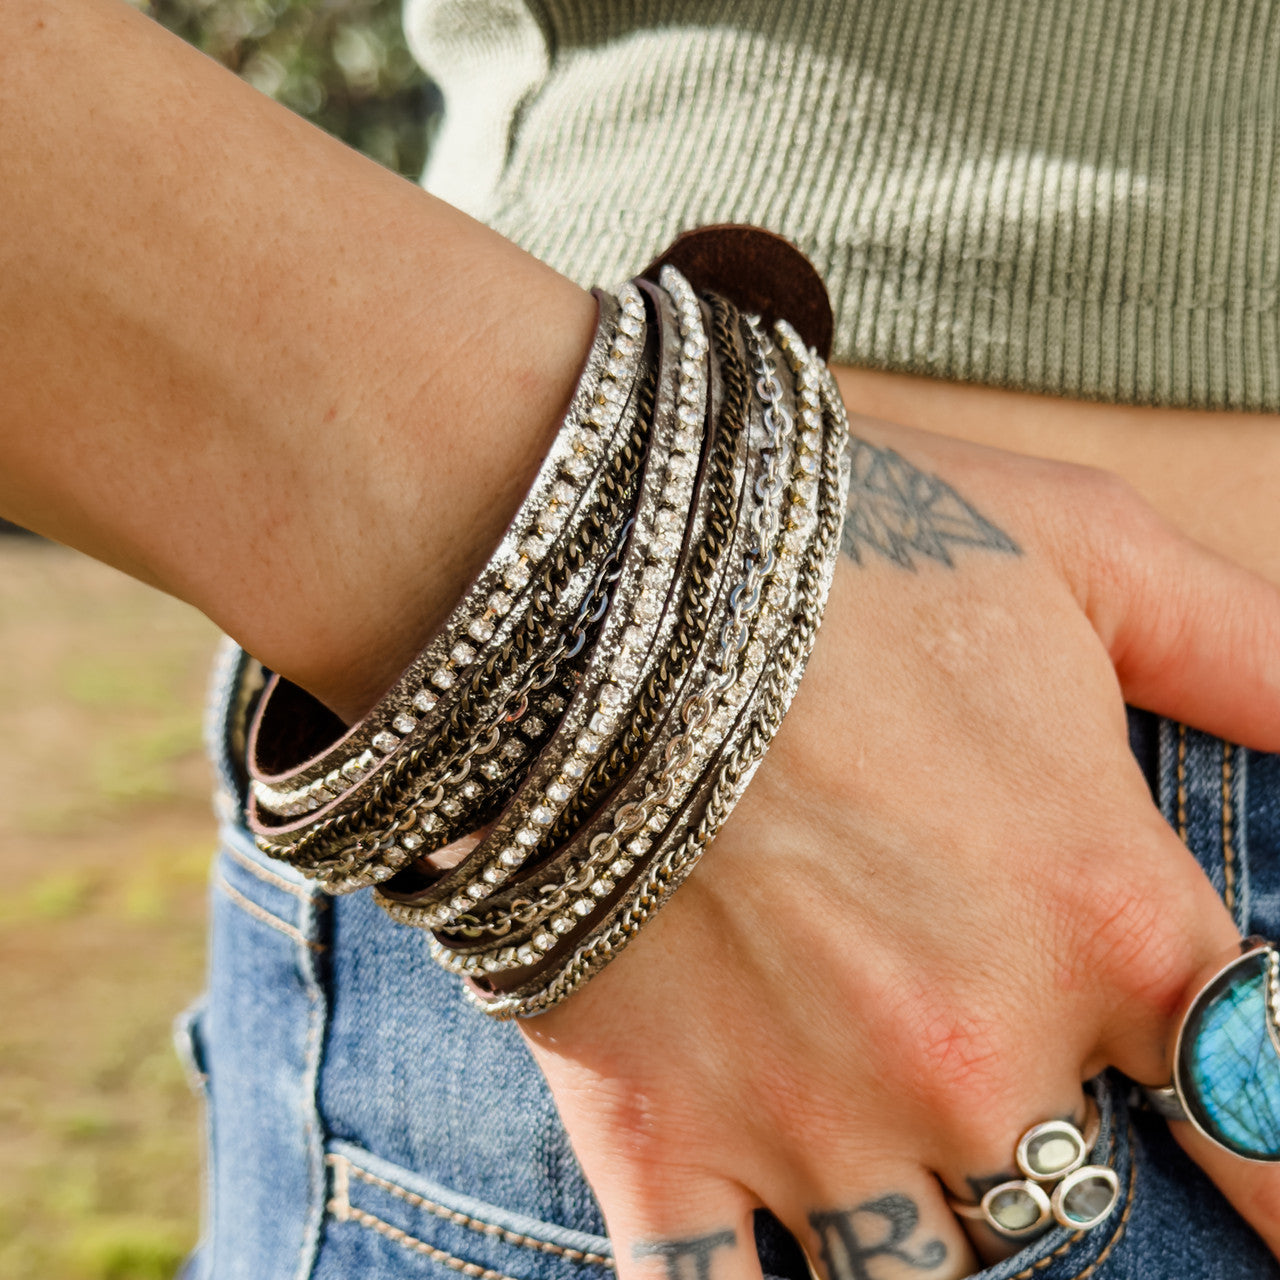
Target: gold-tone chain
<point>383,807</point>
<point>672,868</point>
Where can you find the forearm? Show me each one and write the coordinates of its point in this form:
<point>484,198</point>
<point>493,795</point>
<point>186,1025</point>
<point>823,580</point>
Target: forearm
<point>246,364</point>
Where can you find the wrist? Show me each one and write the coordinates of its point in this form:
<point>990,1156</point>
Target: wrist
<point>397,513</point>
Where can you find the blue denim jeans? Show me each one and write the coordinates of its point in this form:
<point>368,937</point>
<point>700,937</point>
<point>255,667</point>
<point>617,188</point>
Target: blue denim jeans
<point>365,1122</point>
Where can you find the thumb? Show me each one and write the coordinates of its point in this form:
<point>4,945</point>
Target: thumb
<point>1192,635</point>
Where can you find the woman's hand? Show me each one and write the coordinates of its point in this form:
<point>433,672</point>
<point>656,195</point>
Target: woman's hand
<point>947,898</point>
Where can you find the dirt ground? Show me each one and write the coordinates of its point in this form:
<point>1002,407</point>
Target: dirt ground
<point>105,834</point>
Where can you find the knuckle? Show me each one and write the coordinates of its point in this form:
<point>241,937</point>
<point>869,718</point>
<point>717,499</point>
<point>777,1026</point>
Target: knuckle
<point>1115,496</point>
<point>648,1131</point>
<point>1095,493</point>
<point>962,1056</point>
<point>647,1175</point>
<point>1133,934</point>
<point>788,1099</point>
<point>1111,505</point>
<point>1107,527</point>
<point>950,1060</point>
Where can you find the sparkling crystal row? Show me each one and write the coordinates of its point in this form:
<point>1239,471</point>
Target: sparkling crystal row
<point>633,635</point>
<point>823,498</point>
<point>488,613</point>
<point>612,681</point>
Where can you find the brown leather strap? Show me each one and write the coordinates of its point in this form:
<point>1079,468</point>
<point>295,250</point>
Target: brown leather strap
<point>757,271</point>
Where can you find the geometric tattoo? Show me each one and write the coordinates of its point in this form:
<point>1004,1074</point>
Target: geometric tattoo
<point>687,1259</point>
<point>847,1255</point>
<point>903,513</point>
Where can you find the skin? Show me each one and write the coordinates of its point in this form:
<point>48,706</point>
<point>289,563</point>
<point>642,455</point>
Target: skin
<point>224,348</point>
<point>1213,475</point>
<point>994,682</point>
<point>185,393</point>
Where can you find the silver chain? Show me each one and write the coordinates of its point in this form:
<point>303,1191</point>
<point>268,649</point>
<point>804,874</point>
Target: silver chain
<point>697,709</point>
<point>513,706</point>
<point>667,873</point>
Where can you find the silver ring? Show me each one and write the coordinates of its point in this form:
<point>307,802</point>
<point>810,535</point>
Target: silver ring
<point>1016,1209</point>
<point>1226,1059</point>
<point>1057,1185</point>
<point>1049,1151</point>
<point>1086,1197</point>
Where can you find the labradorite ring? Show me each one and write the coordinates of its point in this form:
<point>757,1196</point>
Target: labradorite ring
<point>1056,1185</point>
<point>1226,1064</point>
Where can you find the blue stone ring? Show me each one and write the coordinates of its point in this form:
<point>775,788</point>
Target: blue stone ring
<point>1226,1066</point>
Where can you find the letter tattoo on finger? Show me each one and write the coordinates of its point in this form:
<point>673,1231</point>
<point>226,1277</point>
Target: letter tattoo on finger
<point>850,1243</point>
<point>687,1259</point>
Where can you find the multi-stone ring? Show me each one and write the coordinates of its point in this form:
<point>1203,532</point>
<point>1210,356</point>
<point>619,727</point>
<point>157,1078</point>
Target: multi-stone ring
<point>1226,1059</point>
<point>1056,1184</point>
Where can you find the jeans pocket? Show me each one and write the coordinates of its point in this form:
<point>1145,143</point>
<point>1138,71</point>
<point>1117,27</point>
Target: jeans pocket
<point>387,1223</point>
<point>262,1036</point>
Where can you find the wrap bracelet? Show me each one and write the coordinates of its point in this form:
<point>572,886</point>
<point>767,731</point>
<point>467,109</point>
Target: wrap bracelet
<point>597,702</point>
<point>471,694</point>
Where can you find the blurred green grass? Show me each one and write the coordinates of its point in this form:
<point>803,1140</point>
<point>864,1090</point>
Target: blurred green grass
<point>341,63</point>
<point>105,836</point>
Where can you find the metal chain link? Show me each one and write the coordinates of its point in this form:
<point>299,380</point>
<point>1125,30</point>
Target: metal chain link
<point>597,538</point>
<point>694,616</point>
<point>698,709</point>
<point>669,870</point>
<point>694,609</point>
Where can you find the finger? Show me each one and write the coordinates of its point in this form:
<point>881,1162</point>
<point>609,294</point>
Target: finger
<point>1253,1189</point>
<point>895,1223</point>
<point>1192,635</point>
<point>704,1232</point>
<point>1015,1162</point>
<point>1159,925</point>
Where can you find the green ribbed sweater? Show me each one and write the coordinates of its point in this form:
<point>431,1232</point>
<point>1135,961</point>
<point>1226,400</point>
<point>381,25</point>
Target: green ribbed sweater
<point>1079,197</point>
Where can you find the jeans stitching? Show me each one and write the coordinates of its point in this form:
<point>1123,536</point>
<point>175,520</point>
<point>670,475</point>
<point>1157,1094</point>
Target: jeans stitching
<point>1232,870</point>
<point>262,914</point>
<point>421,1246</point>
<point>313,1028</point>
<point>344,1169</point>
<point>310,1248</point>
<point>264,874</point>
<point>1049,1259</point>
<point>1182,783</point>
<point>1228,829</point>
<point>1240,830</point>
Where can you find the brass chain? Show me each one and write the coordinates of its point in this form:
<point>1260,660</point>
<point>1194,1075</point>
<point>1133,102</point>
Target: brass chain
<point>694,608</point>
<point>383,807</point>
<point>672,868</point>
<point>693,619</point>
